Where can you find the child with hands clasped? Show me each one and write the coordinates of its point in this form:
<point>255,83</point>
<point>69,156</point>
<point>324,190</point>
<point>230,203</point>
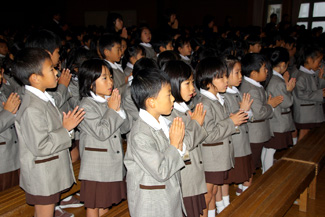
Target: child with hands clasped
<point>44,138</point>
<point>101,170</point>
<point>217,148</point>
<point>154,153</point>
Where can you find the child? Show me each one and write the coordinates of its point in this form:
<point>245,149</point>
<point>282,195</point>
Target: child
<point>254,44</point>
<point>242,173</point>
<point>44,138</point>
<point>110,50</point>
<point>310,90</point>
<point>162,44</point>
<point>133,54</point>
<point>217,148</point>
<point>154,153</point>
<point>183,48</point>
<point>281,124</point>
<point>143,37</point>
<point>101,170</point>
<point>166,56</point>
<point>9,175</point>
<point>259,130</point>
<point>192,176</point>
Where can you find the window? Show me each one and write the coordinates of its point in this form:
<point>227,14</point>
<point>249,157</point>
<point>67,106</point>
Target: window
<point>312,14</point>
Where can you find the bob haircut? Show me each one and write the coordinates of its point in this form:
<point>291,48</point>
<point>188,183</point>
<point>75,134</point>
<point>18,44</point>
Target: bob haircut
<point>177,71</point>
<point>44,39</point>
<point>111,21</point>
<point>166,56</point>
<point>230,62</point>
<point>29,61</point>
<point>208,69</point>
<point>146,84</point>
<point>144,63</point>
<point>306,51</point>
<point>181,42</point>
<point>108,41</point>
<point>252,62</point>
<point>89,72</point>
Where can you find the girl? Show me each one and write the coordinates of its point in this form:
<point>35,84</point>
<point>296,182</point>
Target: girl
<point>244,167</point>
<point>217,148</point>
<point>133,54</point>
<point>143,37</point>
<point>309,92</point>
<point>101,170</point>
<point>115,25</point>
<point>184,49</point>
<point>192,176</point>
<point>281,123</point>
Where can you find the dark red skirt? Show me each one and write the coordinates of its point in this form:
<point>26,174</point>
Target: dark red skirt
<point>307,126</point>
<point>256,153</point>
<point>102,194</point>
<point>216,178</point>
<point>194,205</point>
<point>280,141</point>
<point>42,200</point>
<point>9,179</point>
<point>243,170</point>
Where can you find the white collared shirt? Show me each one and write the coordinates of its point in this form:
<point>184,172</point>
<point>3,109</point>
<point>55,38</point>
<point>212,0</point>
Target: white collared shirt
<point>130,79</point>
<point>253,82</point>
<point>115,65</point>
<point>161,125</point>
<point>182,107</point>
<point>130,65</point>
<point>184,57</point>
<point>146,44</point>
<point>278,74</point>
<point>42,95</point>
<point>213,97</point>
<point>303,69</point>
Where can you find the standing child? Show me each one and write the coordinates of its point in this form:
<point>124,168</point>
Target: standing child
<point>143,37</point>
<point>44,138</point>
<point>101,170</point>
<point>154,154</point>
<point>184,49</point>
<point>217,148</point>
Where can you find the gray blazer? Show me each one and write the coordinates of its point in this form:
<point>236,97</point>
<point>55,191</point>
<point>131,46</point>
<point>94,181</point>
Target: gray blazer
<point>100,144</point>
<point>217,148</point>
<point>9,155</point>
<point>153,177</point>
<point>259,129</point>
<point>150,52</point>
<point>73,88</point>
<point>308,99</point>
<point>282,118</point>
<point>128,103</point>
<point>118,78</point>
<point>192,175</point>
<point>240,139</point>
<point>127,71</point>
<point>44,144</point>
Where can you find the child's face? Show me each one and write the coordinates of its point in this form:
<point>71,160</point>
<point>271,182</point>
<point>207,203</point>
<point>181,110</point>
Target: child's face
<point>1,75</point>
<point>55,56</point>
<point>256,48</point>
<point>146,36</point>
<point>283,67</point>
<point>185,50</point>
<point>104,84</point>
<point>114,55</point>
<point>3,49</point>
<point>235,76</point>
<point>164,101</point>
<point>262,74</point>
<point>219,85</point>
<point>118,24</point>
<point>139,55</point>
<point>187,89</point>
<point>314,64</point>
<point>49,78</point>
<point>169,46</point>
<point>123,46</point>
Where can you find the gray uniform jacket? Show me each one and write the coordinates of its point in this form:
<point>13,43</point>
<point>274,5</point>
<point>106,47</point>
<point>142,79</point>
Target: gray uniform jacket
<point>128,71</point>
<point>118,78</point>
<point>150,52</point>
<point>128,103</point>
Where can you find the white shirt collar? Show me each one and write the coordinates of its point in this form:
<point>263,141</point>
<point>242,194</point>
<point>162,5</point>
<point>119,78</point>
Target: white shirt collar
<point>146,44</point>
<point>130,65</point>
<point>115,65</point>
<point>182,107</point>
<point>98,98</point>
<point>278,74</point>
<point>130,79</point>
<point>253,82</point>
<point>232,90</point>
<point>184,57</point>
<point>151,121</point>
<point>303,69</point>
<point>213,97</point>
<point>42,95</point>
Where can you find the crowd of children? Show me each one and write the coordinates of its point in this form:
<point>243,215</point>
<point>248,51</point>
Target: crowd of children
<point>198,112</point>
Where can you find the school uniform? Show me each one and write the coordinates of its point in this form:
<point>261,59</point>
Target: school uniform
<point>73,88</point>
<point>153,165</point>
<point>9,152</point>
<point>118,75</point>
<point>244,167</point>
<point>44,143</point>
<point>259,129</point>
<point>101,153</point>
<point>10,86</point>
<point>185,59</point>
<point>128,103</point>
<point>217,148</point>
<point>192,175</point>
<point>308,99</point>
<point>128,69</point>
<point>282,122</point>
<point>150,52</point>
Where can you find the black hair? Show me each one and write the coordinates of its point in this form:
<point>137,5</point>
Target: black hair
<point>166,56</point>
<point>144,63</point>
<point>253,39</point>
<point>111,21</point>
<point>208,69</point>
<point>161,41</point>
<point>107,41</point>
<point>138,32</point>
<point>279,55</point>
<point>29,61</point>
<point>306,51</point>
<point>177,71</point>
<point>180,42</point>
<point>44,39</point>
<point>133,51</point>
<point>289,40</point>
<point>252,62</point>
<point>2,41</point>
<point>89,72</point>
<point>76,57</point>
<point>230,62</point>
<point>147,83</point>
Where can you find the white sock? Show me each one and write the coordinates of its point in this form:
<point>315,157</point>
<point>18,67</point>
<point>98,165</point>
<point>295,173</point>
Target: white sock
<point>244,188</point>
<point>268,159</point>
<point>294,140</point>
<point>262,158</point>
<point>240,186</point>
<point>226,201</point>
<point>212,213</point>
<point>67,198</point>
<point>220,206</point>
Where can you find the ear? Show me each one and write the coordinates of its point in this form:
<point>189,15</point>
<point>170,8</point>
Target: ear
<point>107,52</point>
<point>151,103</point>
<point>253,74</point>
<point>162,49</point>
<point>33,79</point>
<point>179,49</point>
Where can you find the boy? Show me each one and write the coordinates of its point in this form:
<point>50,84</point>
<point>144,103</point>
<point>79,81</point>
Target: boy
<point>162,44</point>
<point>110,50</point>
<point>254,44</point>
<point>154,157</point>
<point>44,137</point>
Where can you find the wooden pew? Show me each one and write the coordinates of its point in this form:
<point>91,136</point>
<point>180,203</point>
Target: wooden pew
<point>13,202</point>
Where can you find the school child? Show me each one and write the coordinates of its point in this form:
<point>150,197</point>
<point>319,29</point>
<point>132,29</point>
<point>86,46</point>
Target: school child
<point>217,148</point>
<point>9,168</point>
<point>110,50</point>
<point>162,43</point>
<point>259,130</point>
<point>154,153</point>
<point>192,176</point>
<point>309,92</point>
<point>101,169</point>
<point>166,56</point>
<point>254,44</point>
<point>143,37</point>
<point>44,135</point>
<point>133,54</point>
<point>184,49</point>
<point>242,173</point>
<point>282,123</point>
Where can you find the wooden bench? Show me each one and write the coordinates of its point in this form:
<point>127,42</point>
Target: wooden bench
<point>13,201</point>
<point>273,193</point>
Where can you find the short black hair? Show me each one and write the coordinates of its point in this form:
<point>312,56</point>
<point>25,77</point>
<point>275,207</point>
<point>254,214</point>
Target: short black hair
<point>230,62</point>
<point>177,71</point>
<point>147,83</point>
<point>133,51</point>
<point>208,69</point>
<point>107,41</point>
<point>44,39</point>
<point>252,62</point>
<point>307,50</point>
<point>29,61</point>
<point>279,55</point>
<point>144,63</point>
<point>180,42</point>
<point>161,41</point>
<point>253,39</point>
<point>166,56</point>
<point>89,72</point>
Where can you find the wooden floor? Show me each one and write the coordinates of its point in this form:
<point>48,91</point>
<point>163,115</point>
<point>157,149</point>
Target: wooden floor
<point>316,208</point>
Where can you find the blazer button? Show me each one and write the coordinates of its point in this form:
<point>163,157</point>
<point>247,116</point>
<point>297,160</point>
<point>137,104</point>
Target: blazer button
<point>15,141</point>
<point>118,152</point>
<point>246,131</point>
<point>114,136</point>
<point>11,127</point>
<point>229,142</point>
<point>236,95</point>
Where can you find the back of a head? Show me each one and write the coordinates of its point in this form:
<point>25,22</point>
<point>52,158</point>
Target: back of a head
<point>144,63</point>
<point>44,39</point>
<point>253,39</point>
<point>278,55</point>
<point>252,62</point>
<point>166,56</point>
